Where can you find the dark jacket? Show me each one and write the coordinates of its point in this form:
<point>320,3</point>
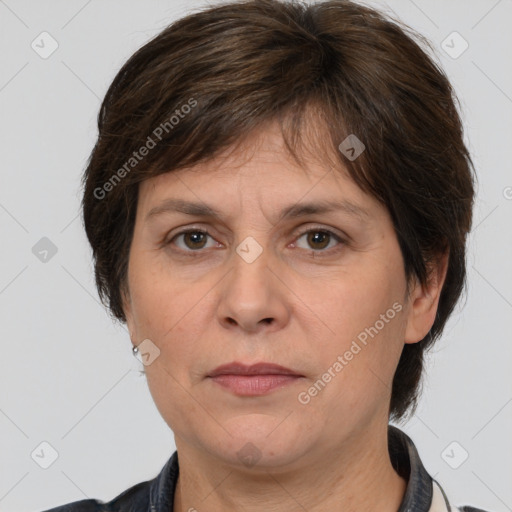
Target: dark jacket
<point>423,493</point>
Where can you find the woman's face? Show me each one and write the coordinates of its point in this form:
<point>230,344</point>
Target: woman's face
<point>264,288</point>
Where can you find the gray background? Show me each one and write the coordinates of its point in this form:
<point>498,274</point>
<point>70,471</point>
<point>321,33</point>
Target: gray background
<point>68,376</point>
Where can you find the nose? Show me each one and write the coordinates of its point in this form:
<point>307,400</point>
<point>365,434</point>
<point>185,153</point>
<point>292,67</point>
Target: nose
<point>252,296</point>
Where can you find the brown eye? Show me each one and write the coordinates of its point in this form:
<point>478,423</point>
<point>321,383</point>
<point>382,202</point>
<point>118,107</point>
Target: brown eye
<point>321,241</point>
<point>193,240</point>
<point>317,240</point>
<point>196,238</point>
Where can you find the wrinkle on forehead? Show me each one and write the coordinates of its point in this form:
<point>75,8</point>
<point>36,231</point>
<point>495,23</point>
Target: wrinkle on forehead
<point>300,142</point>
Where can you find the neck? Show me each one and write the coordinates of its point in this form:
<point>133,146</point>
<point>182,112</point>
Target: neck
<point>359,478</point>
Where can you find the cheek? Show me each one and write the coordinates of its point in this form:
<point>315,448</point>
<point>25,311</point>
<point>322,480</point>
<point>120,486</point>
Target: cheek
<point>174,398</point>
<point>352,304</point>
<point>168,312</point>
<point>168,315</point>
<point>363,366</point>
<point>366,317</point>
<point>155,298</point>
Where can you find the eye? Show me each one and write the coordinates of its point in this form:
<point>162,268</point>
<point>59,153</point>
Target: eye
<point>318,239</point>
<point>194,239</point>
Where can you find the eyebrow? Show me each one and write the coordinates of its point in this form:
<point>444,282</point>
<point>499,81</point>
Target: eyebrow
<point>173,205</point>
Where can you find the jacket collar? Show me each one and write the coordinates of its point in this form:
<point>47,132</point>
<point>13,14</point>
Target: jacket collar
<point>423,494</point>
<point>161,492</point>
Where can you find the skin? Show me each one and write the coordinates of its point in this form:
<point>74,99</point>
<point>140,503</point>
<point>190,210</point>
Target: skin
<point>299,304</point>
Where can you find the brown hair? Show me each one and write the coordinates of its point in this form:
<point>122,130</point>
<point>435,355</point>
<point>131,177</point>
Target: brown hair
<point>218,74</point>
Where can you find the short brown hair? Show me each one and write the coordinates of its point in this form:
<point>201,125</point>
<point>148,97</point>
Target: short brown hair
<point>222,72</point>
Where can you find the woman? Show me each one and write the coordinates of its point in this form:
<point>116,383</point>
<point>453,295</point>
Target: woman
<point>278,203</point>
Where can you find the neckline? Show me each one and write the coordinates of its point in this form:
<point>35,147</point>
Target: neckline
<point>404,459</point>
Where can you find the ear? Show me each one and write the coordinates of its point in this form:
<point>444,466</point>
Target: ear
<point>424,301</point>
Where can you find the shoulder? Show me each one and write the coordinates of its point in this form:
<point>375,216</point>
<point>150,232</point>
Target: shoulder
<point>136,497</point>
<point>471,509</point>
<point>156,495</point>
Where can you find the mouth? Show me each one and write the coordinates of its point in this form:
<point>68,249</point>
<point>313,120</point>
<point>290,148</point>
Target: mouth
<point>254,380</point>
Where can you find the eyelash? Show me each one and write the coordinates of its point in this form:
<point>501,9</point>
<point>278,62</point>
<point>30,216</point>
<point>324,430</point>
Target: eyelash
<point>196,253</point>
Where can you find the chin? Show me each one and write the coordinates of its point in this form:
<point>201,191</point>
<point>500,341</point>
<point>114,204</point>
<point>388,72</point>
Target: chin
<point>259,444</point>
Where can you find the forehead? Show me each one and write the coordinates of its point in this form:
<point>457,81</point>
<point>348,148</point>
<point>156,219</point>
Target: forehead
<point>258,168</point>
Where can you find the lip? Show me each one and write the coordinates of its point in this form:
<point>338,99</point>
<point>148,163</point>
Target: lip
<point>236,368</point>
<point>254,380</point>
